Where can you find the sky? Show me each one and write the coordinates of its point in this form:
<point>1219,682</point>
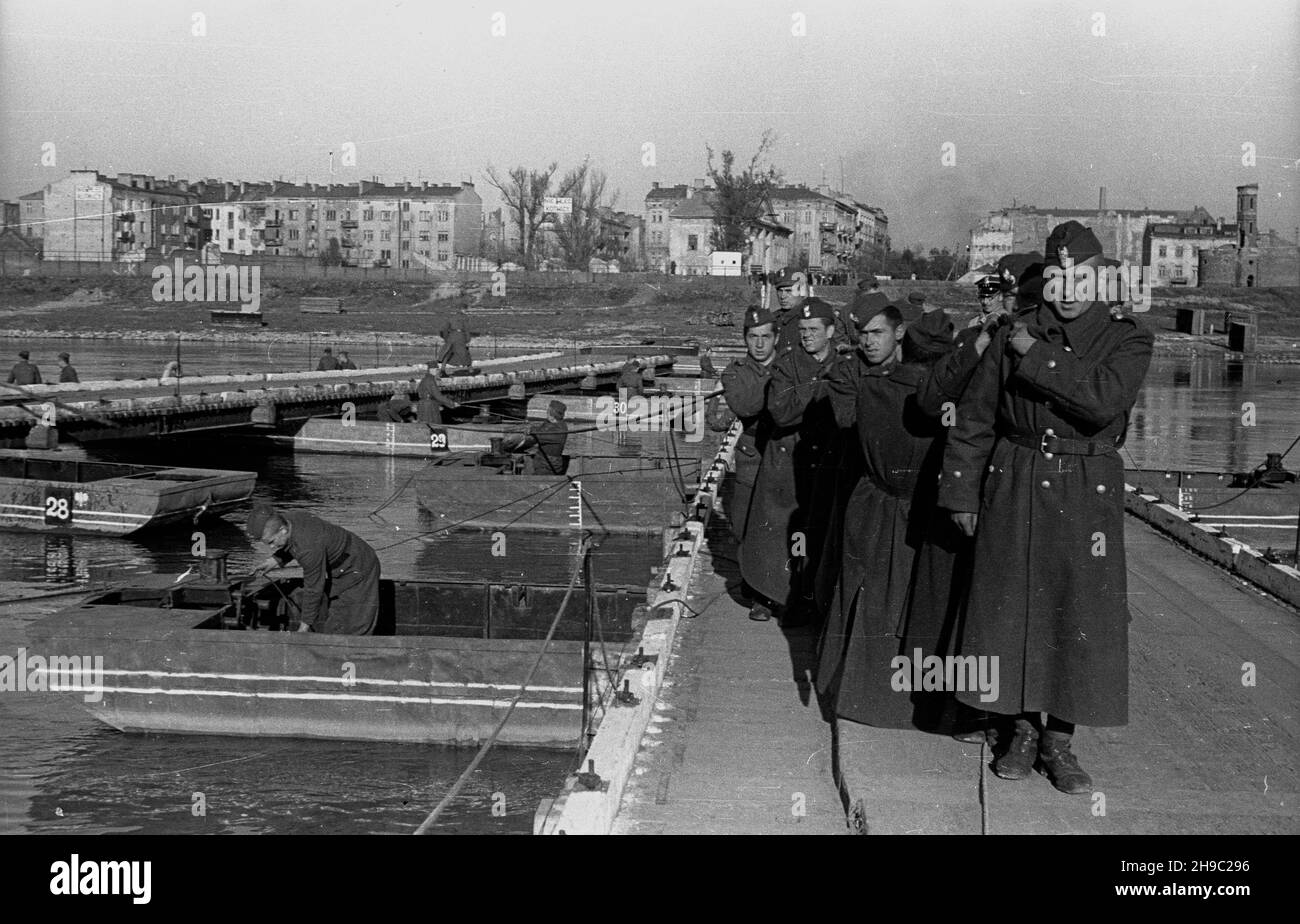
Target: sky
<point>935,111</point>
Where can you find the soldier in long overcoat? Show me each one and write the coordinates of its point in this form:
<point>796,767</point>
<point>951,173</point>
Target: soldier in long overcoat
<point>744,384</point>
<point>866,619</point>
<point>792,504</point>
<point>1032,469</point>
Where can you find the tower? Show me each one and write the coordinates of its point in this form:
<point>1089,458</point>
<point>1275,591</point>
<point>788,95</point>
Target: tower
<point>1247,228</point>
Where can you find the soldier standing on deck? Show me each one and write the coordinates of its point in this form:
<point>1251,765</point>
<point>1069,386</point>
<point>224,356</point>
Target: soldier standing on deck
<point>432,400</point>
<point>791,291</point>
<point>806,444</point>
<point>1032,470</point>
<point>744,385</point>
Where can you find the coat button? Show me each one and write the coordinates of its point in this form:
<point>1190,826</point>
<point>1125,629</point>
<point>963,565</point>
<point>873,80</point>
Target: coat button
<point>1047,484</point>
<point>1047,455</point>
<point>1068,350</point>
<point>956,474</point>
<point>990,468</point>
<point>1051,364</point>
<point>1101,489</point>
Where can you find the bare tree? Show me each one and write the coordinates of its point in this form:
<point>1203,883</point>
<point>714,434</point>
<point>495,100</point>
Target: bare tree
<point>740,199</point>
<point>523,191</point>
<point>579,235</point>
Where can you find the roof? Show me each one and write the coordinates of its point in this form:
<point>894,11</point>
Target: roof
<point>1091,213</point>
<point>667,192</point>
<point>39,194</point>
<point>796,193</point>
<point>1198,231</point>
<point>694,207</point>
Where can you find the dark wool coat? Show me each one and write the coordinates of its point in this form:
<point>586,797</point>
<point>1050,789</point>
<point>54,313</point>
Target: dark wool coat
<point>794,489</point>
<point>744,384</point>
<point>866,617</point>
<point>1048,595</point>
<point>432,400</point>
<point>340,574</point>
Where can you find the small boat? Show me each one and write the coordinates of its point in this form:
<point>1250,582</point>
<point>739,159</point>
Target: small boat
<point>604,494</point>
<point>422,441</point>
<point>215,656</point>
<point>56,491</point>
<point>380,438</point>
<point>1260,508</point>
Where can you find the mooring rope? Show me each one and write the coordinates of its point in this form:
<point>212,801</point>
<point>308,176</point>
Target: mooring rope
<point>496,732</point>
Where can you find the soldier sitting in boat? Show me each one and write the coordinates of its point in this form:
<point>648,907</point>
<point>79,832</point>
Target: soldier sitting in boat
<point>24,372</point>
<point>545,442</point>
<point>631,380</point>
<point>340,572</point>
<point>398,409</point>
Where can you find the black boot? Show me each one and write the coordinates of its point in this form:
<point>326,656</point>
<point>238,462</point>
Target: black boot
<point>1057,762</point>
<point>1018,759</point>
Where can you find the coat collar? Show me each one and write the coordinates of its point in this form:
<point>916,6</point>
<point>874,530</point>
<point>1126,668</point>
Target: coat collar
<point>1079,334</point>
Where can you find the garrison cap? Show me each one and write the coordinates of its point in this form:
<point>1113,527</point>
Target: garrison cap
<point>813,307</point>
<point>757,317</point>
<point>916,298</point>
<point>784,279</point>
<point>864,307</point>
<point>1014,268</point>
<point>1073,241</point>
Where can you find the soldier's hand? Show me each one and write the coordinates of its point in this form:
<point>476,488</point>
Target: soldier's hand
<point>303,627</point>
<point>843,348</point>
<point>1021,339</point>
<point>982,342</point>
<point>966,522</point>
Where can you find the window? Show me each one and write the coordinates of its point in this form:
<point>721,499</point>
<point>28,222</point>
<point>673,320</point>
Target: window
<point>385,235</point>
<point>230,243</point>
<point>443,256</point>
<point>347,216</point>
<point>293,214</point>
<point>1178,251</point>
<point>1164,271</point>
<point>406,244</point>
<point>242,235</point>
<point>367,235</point>
<point>444,215</point>
<point>406,206</point>
<point>424,236</point>
<point>406,226</point>
<point>294,234</point>
<point>385,215</point>
<point>368,215</point>
<point>1163,250</point>
<point>385,254</point>
<point>443,237</point>
<point>692,242</point>
<point>426,216</point>
<point>230,220</point>
<point>331,215</point>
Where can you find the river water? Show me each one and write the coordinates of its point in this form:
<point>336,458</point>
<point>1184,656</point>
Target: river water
<point>60,771</point>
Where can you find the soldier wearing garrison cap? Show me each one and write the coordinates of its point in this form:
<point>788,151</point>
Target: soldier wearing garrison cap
<point>791,506</point>
<point>744,384</point>
<point>1031,469</point>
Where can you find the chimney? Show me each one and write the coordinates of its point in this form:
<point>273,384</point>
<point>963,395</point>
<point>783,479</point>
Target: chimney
<point>654,185</point>
<point>1101,200</point>
<point>424,185</point>
<point>699,184</point>
<point>407,185</point>
<point>242,187</point>
<point>690,191</point>
<point>185,185</point>
<point>226,185</point>
<point>361,187</point>
<point>171,178</point>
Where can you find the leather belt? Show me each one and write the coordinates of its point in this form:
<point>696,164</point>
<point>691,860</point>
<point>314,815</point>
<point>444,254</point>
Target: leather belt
<point>1051,444</point>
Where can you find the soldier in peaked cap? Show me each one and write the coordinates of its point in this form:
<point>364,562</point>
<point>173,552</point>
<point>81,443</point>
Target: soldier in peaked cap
<point>1031,469</point>
<point>744,384</point>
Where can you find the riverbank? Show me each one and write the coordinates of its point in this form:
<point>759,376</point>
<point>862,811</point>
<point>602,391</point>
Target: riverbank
<point>555,315</point>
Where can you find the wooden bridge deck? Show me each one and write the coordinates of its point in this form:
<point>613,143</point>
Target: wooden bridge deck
<point>741,744</point>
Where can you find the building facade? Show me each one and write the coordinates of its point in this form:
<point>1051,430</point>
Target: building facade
<point>91,217</point>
